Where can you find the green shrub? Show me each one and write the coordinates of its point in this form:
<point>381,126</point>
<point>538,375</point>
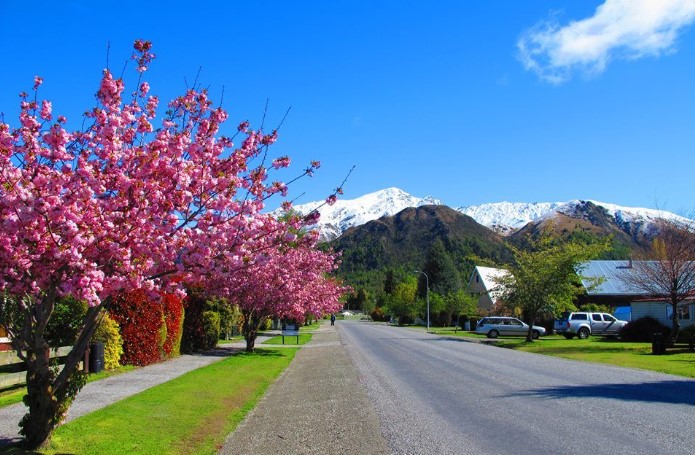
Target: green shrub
<point>642,330</point>
<point>193,334</point>
<point>595,308</point>
<point>66,322</point>
<point>378,315</point>
<point>211,327</point>
<point>230,316</point>
<point>267,324</point>
<point>109,333</point>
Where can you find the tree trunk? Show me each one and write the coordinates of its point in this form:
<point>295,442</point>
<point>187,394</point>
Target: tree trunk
<point>38,424</point>
<point>250,328</point>
<point>529,334</point>
<point>675,322</point>
<point>251,340</point>
<point>49,395</point>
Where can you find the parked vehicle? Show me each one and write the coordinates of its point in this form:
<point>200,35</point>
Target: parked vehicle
<point>494,326</point>
<point>582,324</point>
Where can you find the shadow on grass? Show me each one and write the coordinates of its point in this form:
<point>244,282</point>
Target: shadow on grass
<point>264,352</point>
<point>672,392</point>
<point>222,351</point>
<point>13,445</point>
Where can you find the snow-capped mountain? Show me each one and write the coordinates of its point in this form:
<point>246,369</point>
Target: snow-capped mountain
<point>344,214</point>
<point>631,220</point>
<point>503,217</point>
<point>506,217</point>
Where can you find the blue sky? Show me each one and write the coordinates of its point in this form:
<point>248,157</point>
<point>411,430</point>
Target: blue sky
<point>467,101</point>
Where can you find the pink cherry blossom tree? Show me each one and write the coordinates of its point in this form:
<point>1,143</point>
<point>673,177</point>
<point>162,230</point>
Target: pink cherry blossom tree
<point>288,282</point>
<point>125,203</point>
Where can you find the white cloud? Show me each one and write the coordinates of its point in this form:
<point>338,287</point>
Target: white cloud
<point>619,29</point>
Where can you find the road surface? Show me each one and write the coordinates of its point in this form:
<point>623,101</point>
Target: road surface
<point>438,396</point>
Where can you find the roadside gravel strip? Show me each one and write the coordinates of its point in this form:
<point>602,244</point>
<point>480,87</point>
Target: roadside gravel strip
<point>317,406</point>
<point>99,394</point>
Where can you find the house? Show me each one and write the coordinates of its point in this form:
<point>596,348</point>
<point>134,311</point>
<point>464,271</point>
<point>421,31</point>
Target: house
<point>483,282</point>
<point>4,340</point>
<point>662,311</point>
<point>606,284</point>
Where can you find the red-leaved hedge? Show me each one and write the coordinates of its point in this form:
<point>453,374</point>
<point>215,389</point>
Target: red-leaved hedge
<point>173,317</point>
<point>141,321</point>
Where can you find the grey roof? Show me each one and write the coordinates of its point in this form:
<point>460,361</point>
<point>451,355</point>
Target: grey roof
<point>612,274</point>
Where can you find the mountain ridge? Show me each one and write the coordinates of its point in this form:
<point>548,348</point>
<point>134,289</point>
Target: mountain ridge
<point>505,218</point>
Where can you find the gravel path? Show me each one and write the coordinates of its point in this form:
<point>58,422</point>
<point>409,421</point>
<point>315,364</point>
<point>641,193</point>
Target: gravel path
<point>317,406</point>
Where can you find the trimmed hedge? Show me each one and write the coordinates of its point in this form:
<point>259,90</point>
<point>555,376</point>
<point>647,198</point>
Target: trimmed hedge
<point>141,322</point>
<point>378,315</point>
<point>109,333</point>
<point>685,334</point>
<point>643,329</point>
<point>193,335</point>
<point>211,328</point>
<point>173,321</point>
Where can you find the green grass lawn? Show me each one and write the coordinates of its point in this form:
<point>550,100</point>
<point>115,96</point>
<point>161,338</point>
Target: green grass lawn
<point>12,395</point>
<point>594,349</point>
<point>313,326</point>
<point>192,414</point>
<point>680,362</point>
<point>290,340</point>
<point>451,331</point>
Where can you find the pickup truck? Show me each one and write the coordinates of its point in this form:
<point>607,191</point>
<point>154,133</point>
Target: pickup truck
<point>582,324</point>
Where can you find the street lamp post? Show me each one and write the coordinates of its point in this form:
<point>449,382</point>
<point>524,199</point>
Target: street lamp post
<point>427,293</point>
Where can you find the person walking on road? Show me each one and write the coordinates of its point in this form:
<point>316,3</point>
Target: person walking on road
<point>333,319</point>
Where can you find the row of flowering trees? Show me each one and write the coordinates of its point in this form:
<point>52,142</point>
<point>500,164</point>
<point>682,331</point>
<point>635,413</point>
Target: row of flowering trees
<point>130,203</point>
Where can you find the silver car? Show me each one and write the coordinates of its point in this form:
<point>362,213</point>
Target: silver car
<point>494,326</point>
<point>582,324</point>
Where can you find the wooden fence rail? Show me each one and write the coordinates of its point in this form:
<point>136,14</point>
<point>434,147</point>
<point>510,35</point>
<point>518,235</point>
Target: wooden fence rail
<point>20,377</point>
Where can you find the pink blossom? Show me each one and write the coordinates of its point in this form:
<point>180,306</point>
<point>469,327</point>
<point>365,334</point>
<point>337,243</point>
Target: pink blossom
<point>46,109</point>
<point>117,207</point>
<point>269,138</point>
<point>283,161</point>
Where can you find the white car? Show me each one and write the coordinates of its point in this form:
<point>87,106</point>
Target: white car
<point>494,326</point>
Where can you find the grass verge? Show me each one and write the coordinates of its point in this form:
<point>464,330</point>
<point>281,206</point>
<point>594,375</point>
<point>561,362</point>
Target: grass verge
<point>192,414</point>
<point>290,339</point>
<point>609,351</point>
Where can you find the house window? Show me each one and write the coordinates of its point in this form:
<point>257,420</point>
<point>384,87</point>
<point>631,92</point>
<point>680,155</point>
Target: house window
<point>477,278</point>
<point>684,312</point>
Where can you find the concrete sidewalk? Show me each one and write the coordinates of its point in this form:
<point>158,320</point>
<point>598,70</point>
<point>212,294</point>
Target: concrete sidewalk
<point>99,394</point>
<point>317,406</point>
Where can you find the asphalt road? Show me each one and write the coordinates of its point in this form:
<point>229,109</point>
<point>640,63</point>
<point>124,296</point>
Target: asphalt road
<point>434,395</point>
